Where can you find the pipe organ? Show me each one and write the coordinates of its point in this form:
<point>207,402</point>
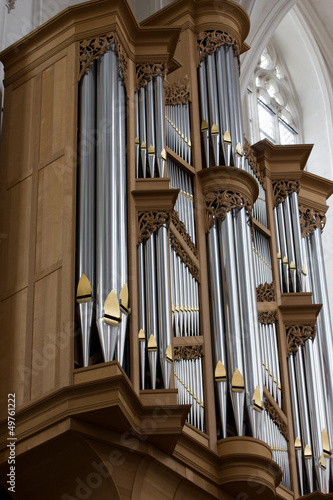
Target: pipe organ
<point>240,231</point>
<point>205,341</point>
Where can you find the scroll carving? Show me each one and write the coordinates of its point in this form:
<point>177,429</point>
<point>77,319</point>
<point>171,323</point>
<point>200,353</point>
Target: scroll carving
<point>187,352</point>
<point>181,228</point>
<point>149,222</point>
<point>146,72</point>
<point>310,220</point>
<point>298,334</point>
<point>282,189</point>
<point>178,93</point>
<point>219,203</point>
<point>184,256</point>
<point>267,317</point>
<point>276,418</point>
<point>252,160</point>
<point>209,41</point>
<point>96,47</point>
<point>266,292</point>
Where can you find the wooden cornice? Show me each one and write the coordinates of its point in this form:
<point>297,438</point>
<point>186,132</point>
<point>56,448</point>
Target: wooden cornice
<point>154,194</point>
<point>88,21</point>
<point>315,191</point>
<point>297,308</point>
<point>282,162</point>
<point>203,15</point>
<point>104,396</point>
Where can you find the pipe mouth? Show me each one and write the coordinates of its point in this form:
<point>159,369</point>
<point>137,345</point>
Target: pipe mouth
<point>112,320</point>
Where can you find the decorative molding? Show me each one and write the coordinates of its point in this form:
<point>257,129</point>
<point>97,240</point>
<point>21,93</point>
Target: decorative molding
<point>150,221</point>
<point>184,256</point>
<point>267,317</point>
<point>96,47</point>
<point>282,189</point>
<point>266,292</point>
<point>276,418</point>
<point>310,220</point>
<point>146,72</point>
<point>297,335</point>
<point>210,41</point>
<point>181,228</point>
<point>10,4</point>
<point>252,161</point>
<point>187,352</point>
<point>178,93</point>
<point>219,203</point>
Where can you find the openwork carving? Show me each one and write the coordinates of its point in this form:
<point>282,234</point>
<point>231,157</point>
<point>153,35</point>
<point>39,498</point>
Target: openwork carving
<point>266,292</point>
<point>187,352</point>
<point>96,47</point>
<point>267,317</point>
<point>10,4</point>
<point>178,93</point>
<point>276,418</point>
<point>181,228</point>
<point>150,221</point>
<point>184,256</point>
<point>252,160</point>
<point>310,220</point>
<point>209,41</point>
<point>219,203</point>
<point>146,72</point>
<point>282,189</point>
<point>298,334</point>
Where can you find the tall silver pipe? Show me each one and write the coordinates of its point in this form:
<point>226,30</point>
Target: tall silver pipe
<point>151,306</point>
<point>249,328</point>
<point>231,96</point>
<point>143,131</point>
<point>122,267</point>
<point>151,127</point>
<point>163,289</point>
<point>106,232</point>
<point>142,311</point>
<point>296,422</point>
<point>232,315</point>
<point>214,125</point>
<point>86,209</point>
<point>218,325</point>
<point>137,133</point>
<point>290,243</point>
<point>204,109</point>
<point>160,125</point>
<point>284,251</point>
<point>304,419</point>
<point>297,239</point>
<point>278,245</point>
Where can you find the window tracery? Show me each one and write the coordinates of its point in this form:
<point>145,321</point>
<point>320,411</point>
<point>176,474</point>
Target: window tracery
<point>272,108</point>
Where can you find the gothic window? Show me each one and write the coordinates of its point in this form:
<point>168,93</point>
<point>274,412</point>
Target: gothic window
<point>272,107</point>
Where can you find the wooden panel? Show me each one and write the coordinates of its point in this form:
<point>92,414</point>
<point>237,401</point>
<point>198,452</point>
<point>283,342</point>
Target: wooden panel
<point>53,109</point>
<point>45,342</point>
<point>21,132</point>
<point>16,242</point>
<point>13,372</point>
<point>49,216</point>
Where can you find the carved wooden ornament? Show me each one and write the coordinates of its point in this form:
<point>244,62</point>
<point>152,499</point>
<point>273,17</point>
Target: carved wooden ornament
<point>267,317</point>
<point>94,48</point>
<point>266,292</point>
<point>310,220</point>
<point>276,418</point>
<point>209,41</point>
<point>178,93</point>
<point>252,161</point>
<point>146,72</point>
<point>150,221</point>
<point>219,203</point>
<point>282,189</point>
<point>187,352</point>
<point>298,334</point>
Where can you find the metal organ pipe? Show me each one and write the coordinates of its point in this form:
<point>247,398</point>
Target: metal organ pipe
<point>86,231</point>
